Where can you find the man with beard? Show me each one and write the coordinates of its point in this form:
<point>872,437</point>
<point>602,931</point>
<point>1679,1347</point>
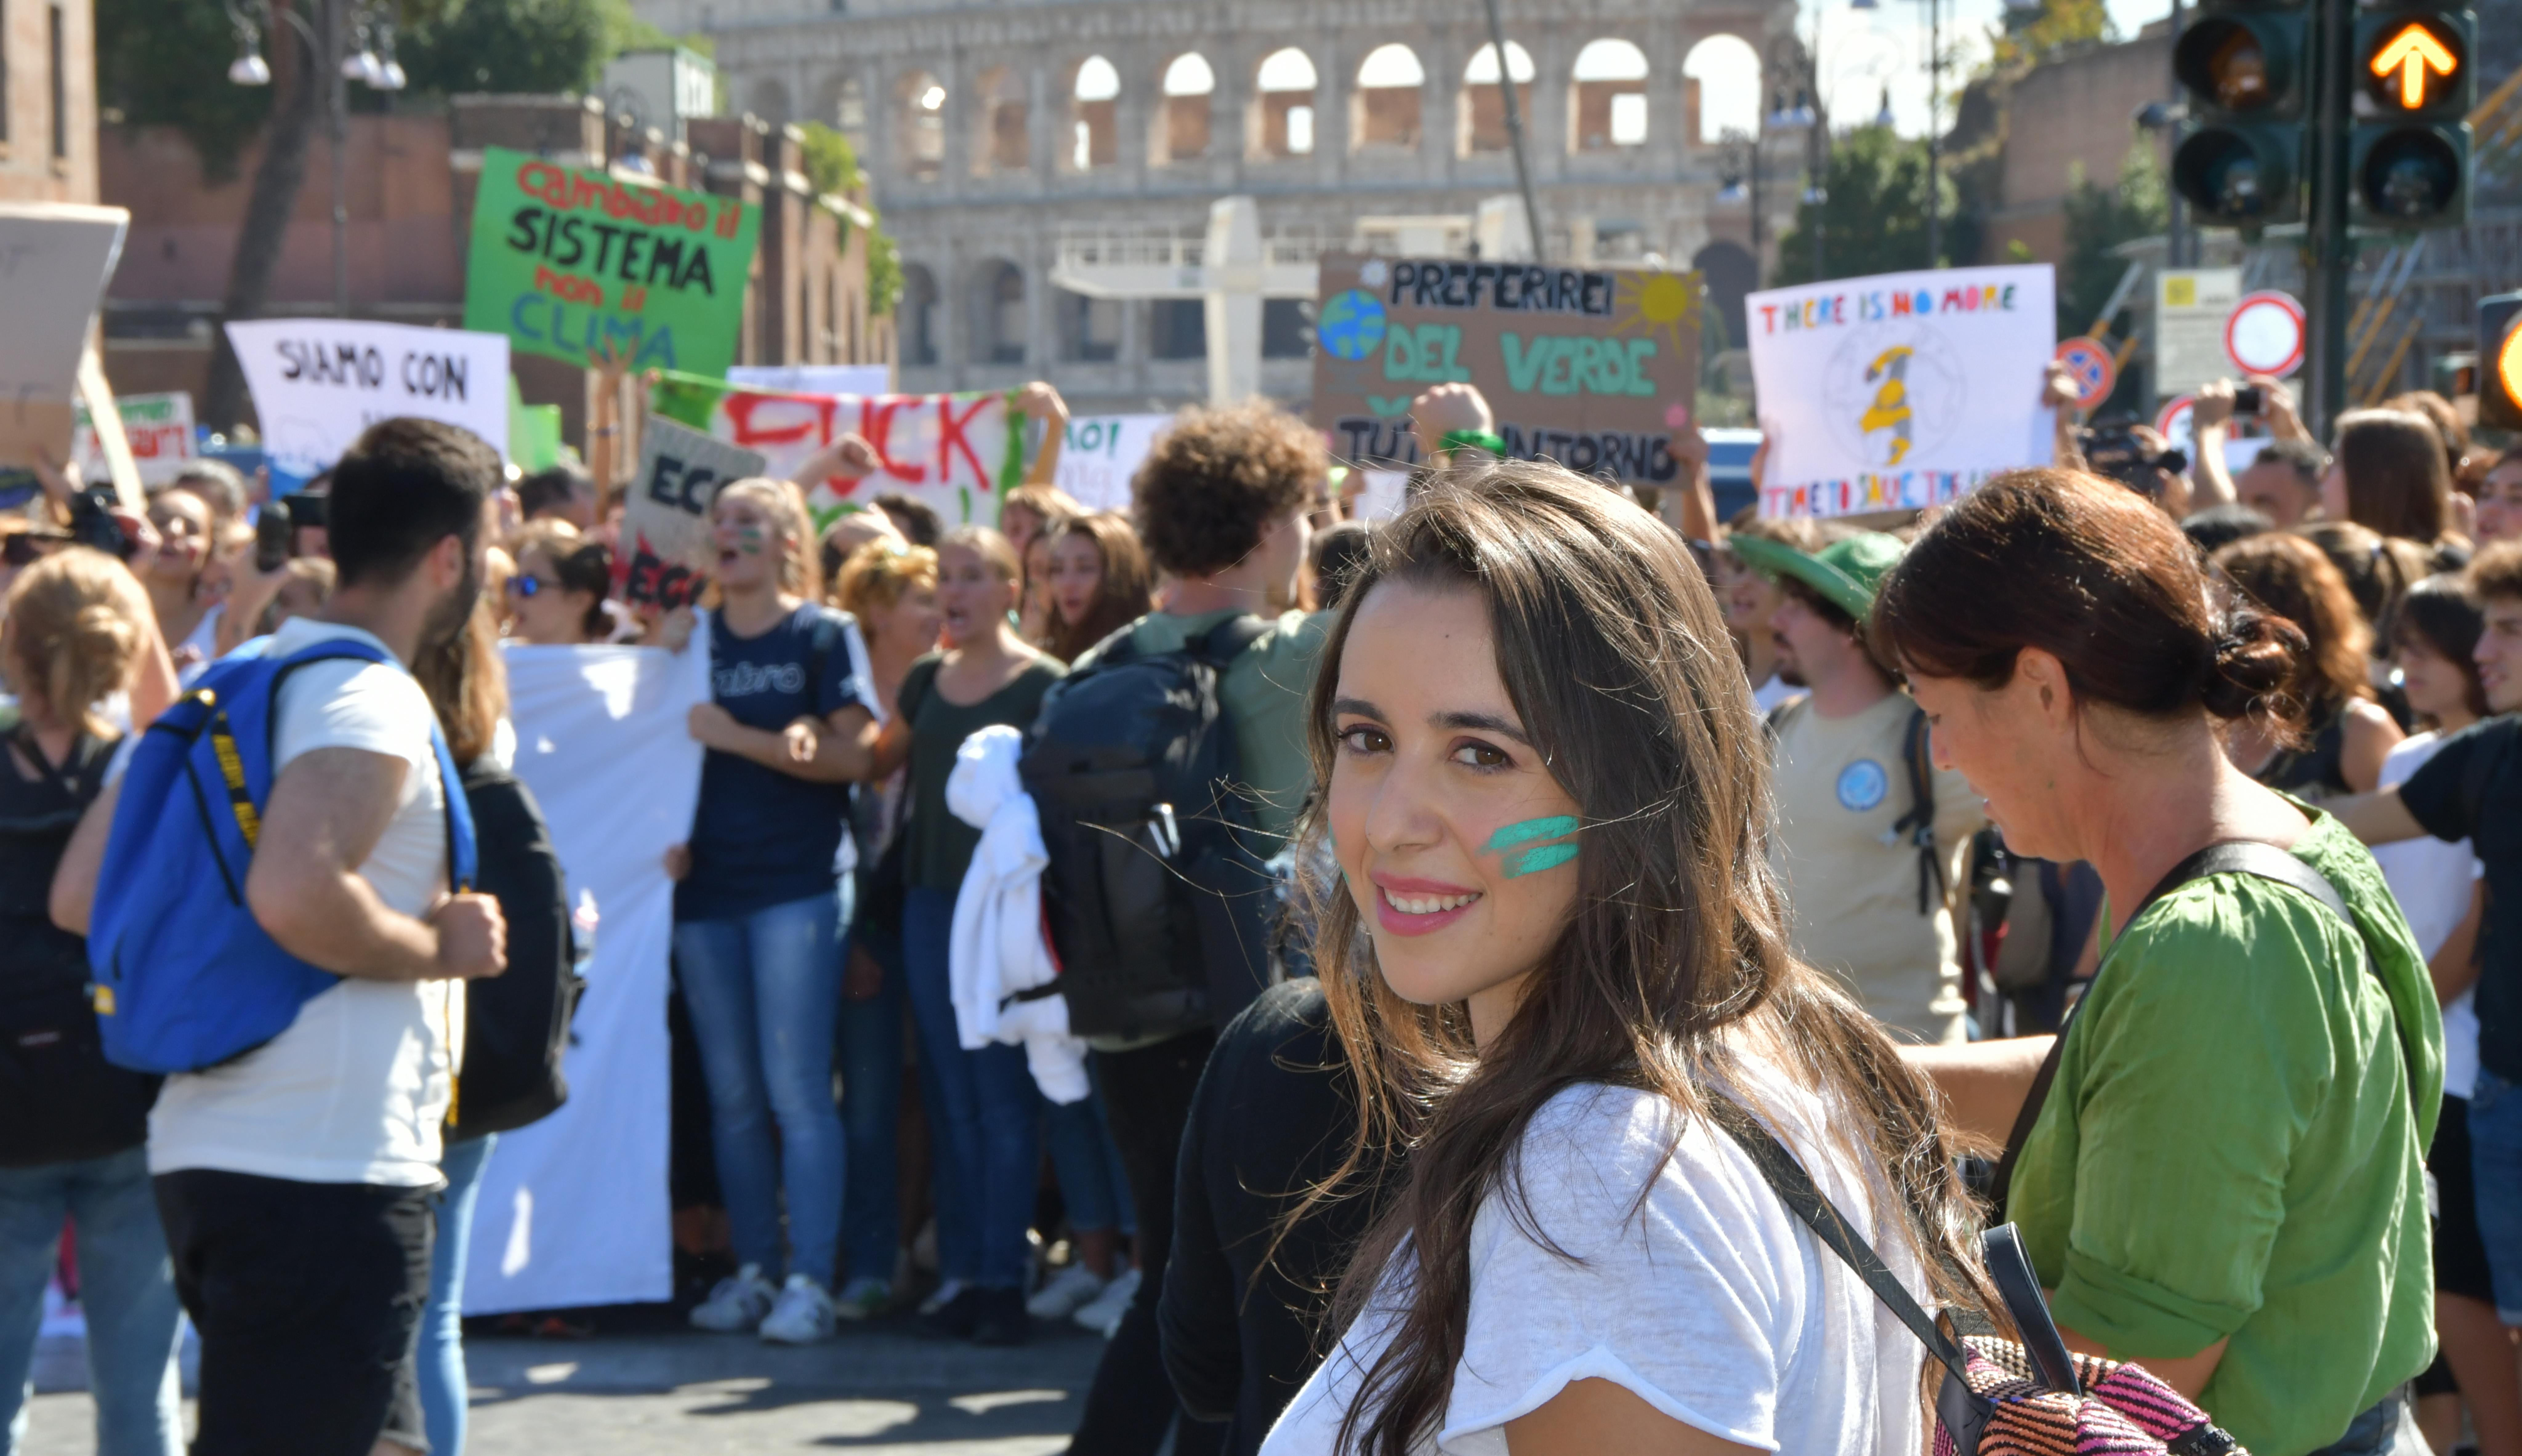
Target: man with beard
<point>295,1180</point>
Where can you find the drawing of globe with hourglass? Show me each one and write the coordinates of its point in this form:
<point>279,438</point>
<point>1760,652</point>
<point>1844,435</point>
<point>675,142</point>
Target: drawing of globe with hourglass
<point>1892,392</point>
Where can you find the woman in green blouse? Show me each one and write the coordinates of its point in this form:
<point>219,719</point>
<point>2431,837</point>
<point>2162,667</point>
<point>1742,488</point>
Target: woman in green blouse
<point>2224,1180</point>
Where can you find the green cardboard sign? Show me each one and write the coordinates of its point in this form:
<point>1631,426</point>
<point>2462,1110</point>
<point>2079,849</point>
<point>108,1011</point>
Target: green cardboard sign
<point>574,263</point>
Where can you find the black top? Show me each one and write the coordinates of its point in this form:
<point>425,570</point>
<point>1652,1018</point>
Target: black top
<point>941,845</point>
<point>1273,1116</point>
<point>2317,770</point>
<point>36,817</point>
<point>2472,789</point>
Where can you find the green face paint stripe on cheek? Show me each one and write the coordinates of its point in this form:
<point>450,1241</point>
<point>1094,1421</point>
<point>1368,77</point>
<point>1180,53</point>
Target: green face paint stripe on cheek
<point>1535,860</point>
<point>1553,826</point>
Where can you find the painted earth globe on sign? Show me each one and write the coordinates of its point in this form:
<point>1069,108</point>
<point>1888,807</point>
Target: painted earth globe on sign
<point>1894,390</point>
<point>1351,325</point>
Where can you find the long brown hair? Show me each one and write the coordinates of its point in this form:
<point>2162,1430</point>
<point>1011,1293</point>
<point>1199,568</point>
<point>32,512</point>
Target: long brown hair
<point>2294,579</point>
<point>2086,570</point>
<point>1612,651</point>
<point>1124,594</point>
<point>467,683</point>
<point>2397,481</point>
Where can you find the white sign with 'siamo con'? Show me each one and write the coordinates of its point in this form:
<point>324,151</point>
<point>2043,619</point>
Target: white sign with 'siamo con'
<point>317,383</point>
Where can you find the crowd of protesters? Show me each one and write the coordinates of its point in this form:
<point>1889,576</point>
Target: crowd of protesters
<point>1636,887</point>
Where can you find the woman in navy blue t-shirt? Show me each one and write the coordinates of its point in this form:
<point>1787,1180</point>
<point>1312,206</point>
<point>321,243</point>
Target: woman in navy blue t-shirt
<point>760,913</point>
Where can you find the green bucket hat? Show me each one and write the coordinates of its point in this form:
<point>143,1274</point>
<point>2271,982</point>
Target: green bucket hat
<point>1846,573</point>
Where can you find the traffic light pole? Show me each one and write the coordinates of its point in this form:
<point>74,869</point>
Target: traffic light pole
<point>2330,251</point>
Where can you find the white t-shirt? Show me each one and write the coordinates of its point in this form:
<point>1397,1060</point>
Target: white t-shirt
<point>1771,693</point>
<point>2433,880</point>
<point>1709,1301</point>
<point>355,1089</point>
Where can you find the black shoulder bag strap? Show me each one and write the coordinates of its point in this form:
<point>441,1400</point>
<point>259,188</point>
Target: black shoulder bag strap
<point>2250,857</point>
<point>1919,823</point>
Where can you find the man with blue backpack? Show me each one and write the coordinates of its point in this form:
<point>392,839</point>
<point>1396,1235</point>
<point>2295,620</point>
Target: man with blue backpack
<point>276,894</point>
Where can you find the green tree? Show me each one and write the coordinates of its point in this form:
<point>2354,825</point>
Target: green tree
<point>832,167</point>
<point>2047,30</point>
<point>2098,220</point>
<point>1873,214</point>
<point>518,45</point>
<point>163,62</point>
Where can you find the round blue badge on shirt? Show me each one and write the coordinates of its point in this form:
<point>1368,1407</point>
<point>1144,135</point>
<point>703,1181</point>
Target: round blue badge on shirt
<point>1862,784</point>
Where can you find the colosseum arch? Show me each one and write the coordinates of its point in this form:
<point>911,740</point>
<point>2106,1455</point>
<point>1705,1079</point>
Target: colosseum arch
<point>1482,112</point>
<point>919,126</point>
<point>1721,79</point>
<point>1286,112</point>
<point>1094,138</point>
<point>1386,108</point>
<point>771,102</point>
<point>916,316</point>
<point>1189,85</point>
<point>998,312</point>
<point>1607,107</point>
<point>1002,124</point>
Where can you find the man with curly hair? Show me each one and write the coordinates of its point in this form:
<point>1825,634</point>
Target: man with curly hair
<point>1220,504</point>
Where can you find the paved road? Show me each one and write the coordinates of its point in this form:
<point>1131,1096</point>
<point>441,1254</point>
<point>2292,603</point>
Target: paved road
<point>875,1391</point>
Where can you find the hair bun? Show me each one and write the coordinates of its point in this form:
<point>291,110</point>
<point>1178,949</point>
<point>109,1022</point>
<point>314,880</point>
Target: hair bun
<point>2258,658</point>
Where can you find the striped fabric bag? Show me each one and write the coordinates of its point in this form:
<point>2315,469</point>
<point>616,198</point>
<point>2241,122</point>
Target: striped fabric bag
<point>2001,1398</point>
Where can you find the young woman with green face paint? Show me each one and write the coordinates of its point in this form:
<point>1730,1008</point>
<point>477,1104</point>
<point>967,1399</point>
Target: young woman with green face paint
<point>1552,942</point>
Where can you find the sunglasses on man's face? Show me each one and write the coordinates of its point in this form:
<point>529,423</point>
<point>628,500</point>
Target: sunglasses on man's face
<point>27,547</point>
<point>526,585</point>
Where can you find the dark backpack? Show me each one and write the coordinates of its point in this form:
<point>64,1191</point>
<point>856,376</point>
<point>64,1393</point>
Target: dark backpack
<point>516,1025</point>
<point>66,1103</point>
<point>1157,905</point>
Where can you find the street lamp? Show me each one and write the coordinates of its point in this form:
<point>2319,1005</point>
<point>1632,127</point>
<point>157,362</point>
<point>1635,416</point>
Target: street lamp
<point>379,72</point>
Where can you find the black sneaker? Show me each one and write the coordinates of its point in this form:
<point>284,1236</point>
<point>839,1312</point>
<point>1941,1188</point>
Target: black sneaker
<point>952,1320</point>
<point>1002,1318</point>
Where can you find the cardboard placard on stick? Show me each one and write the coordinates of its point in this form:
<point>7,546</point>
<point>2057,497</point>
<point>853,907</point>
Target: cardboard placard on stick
<point>55,259</point>
<point>1595,368</point>
<point>666,550</point>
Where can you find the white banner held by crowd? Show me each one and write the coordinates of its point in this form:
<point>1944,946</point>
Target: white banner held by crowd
<point>815,379</point>
<point>575,1210</point>
<point>1902,390</point>
<point>317,383</point>
<point>1100,455</point>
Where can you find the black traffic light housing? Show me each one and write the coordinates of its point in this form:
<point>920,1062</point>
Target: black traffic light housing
<point>2500,361</point>
<point>2246,65</point>
<point>2413,86</point>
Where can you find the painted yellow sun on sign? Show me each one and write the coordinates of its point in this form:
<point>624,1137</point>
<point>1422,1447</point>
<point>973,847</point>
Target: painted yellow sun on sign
<point>1658,303</point>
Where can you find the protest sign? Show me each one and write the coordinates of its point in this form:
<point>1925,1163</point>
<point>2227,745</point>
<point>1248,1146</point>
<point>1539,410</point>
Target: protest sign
<point>577,263</point>
<point>666,548</point>
<point>1902,390</point>
<point>1592,367</point>
<point>957,453</point>
<point>815,379</point>
<point>317,383</point>
<point>55,259</point>
<point>160,428</point>
<point>1099,452</point>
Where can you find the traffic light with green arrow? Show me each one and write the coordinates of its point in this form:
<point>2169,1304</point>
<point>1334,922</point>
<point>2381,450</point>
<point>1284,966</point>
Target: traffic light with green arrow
<point>2413,88</point>
<point>2247,67</point>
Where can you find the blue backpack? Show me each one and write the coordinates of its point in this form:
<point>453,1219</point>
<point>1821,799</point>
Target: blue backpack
<point>185,977</point>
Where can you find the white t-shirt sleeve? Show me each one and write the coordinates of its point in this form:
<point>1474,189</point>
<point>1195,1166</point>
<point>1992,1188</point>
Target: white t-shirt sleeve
<point>347,703</point>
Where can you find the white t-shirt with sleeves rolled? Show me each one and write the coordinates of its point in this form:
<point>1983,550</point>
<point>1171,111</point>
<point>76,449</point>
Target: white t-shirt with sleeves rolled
<point>1707,1298</point>
<point>354,1091</point>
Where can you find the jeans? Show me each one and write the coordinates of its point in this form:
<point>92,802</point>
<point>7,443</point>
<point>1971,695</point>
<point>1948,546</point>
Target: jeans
<point>445,1392</point>
<point>984,1116</point>
<point>127,1291</point>
<point>2495,1165</point>
<point>871,1058</point>
<point>1088,1165</point>
<point>2389,1429</point>
<point>765,992</point>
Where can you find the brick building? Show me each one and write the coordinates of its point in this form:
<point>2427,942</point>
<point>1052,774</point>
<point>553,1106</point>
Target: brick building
<point>48,101</point>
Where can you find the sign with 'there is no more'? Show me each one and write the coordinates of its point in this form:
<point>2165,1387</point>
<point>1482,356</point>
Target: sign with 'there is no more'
<point>579,265</point>
<point>317,383</point>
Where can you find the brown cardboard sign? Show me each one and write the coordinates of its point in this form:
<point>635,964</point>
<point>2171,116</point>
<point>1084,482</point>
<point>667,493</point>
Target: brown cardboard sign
<point>1595,368</point>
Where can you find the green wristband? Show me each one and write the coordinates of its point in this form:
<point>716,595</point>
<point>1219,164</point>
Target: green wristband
<point>1485,440</point>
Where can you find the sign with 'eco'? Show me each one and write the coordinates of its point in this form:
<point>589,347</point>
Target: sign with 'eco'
<point>1902,390</point>
<point>577,263</point>
<point>1592,367</point>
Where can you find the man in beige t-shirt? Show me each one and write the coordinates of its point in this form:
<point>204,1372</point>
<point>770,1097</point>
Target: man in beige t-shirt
<point>1867,904</point>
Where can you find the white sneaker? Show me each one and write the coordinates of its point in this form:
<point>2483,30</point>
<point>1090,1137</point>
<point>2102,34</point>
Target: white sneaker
<point>803,1316</point>
<point>1065,1290</point>
<point>1103,1314</point>
<point>941,1297</point>
<point>863,1299</point>
<point>737,1304</point>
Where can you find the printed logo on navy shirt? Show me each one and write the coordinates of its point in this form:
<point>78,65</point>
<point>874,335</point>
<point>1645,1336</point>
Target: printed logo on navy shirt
<point>737,679</point>
<point>1862,784</point>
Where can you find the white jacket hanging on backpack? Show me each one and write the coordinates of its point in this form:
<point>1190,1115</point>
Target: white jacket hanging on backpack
<point>997,949</point>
